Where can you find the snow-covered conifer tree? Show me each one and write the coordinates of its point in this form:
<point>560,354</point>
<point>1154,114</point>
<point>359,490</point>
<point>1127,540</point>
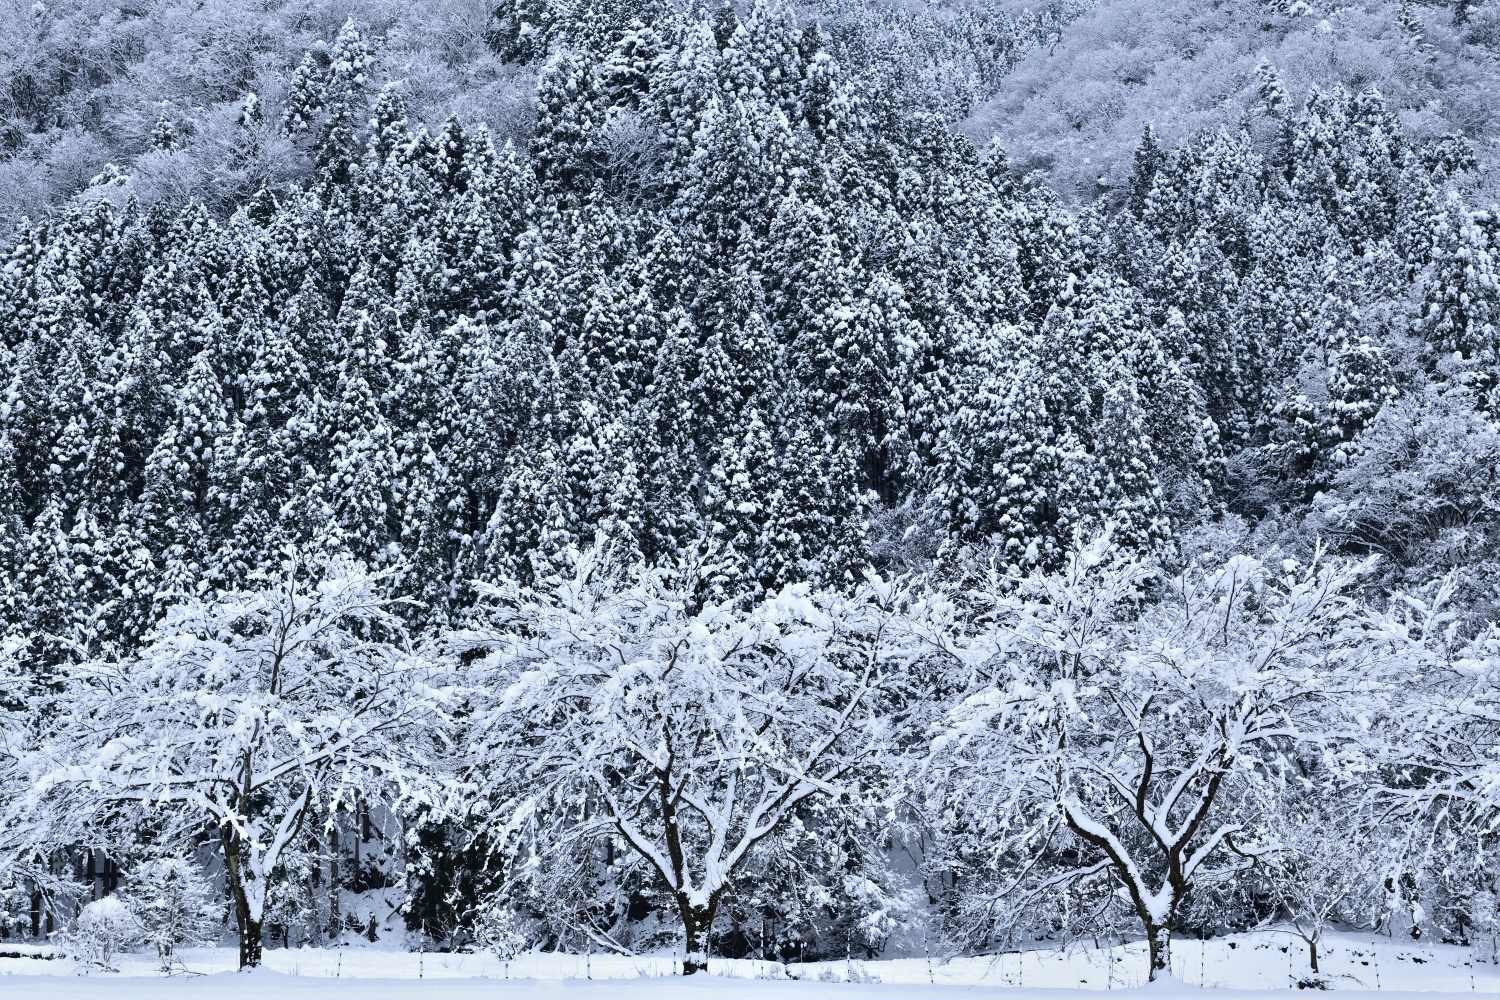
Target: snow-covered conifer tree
<point>174,904</point>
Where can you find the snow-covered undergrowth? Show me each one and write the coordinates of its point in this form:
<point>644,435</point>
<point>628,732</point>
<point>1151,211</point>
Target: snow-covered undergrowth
<point>1263,961</point>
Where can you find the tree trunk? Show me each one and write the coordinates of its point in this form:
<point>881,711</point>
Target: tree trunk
<point>248,924</point>
<point>335,917</point>
<point>697,923</point>
<point>1159,941</point>
<point>250,944</point>
<point>1312,953</point>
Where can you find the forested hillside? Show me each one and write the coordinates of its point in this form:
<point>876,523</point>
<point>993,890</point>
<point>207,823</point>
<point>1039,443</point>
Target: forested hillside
<point>1075,109</point>
<point>146,95</point>
<point>655,466</point>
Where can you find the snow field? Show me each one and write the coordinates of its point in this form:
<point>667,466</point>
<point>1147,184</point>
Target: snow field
<point>1223,967</point>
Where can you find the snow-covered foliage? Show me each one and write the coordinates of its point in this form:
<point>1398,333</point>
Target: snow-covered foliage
<point>1419,493</point>
<point>174,905</point>
<point>688,732</point>
<point>102,929</point>
<point>501,931</point>
<point>1102,747</point>
<point>1330,865</point>
<point>175,100</point>
<point>28,839</point>
<point>1075,109</point>
<point>90,81</point>
<point>1442,738</point>
<point>252,716</point>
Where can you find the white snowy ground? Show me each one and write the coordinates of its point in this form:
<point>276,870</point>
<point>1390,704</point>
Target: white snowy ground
<point>1224,968</point>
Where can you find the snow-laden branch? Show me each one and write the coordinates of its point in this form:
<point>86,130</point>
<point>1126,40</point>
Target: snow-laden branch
<point>1146,725</point>
<point>697,730</point>
<point>245,713</point>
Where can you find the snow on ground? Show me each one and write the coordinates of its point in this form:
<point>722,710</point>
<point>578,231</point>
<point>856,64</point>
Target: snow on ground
<point>1224,968</point>
<point>273,986</point>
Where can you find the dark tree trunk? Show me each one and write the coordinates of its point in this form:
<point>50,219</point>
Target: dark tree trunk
<point>250,944</point>
<point>1159,941</point>
<point>249,926</point>
<point>335,917</point>
<point>1312,953</point>
<point>697,923</point>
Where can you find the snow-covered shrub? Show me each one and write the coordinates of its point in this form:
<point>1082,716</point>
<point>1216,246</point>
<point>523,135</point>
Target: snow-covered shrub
<point>501,931</point>
<point>634,155</point>
<point>15,907</point>
<point>1330,867</point>
<point>173,904</point>
<point>298,914</point>
<point>102,928</point>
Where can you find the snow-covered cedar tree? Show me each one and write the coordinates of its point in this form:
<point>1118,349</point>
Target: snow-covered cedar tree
<point>686,733</point>
<point>174,904</point>
<point>102,928</point>
<point>1109,739</point>
<point>501,931</point>
<point>253,713</point>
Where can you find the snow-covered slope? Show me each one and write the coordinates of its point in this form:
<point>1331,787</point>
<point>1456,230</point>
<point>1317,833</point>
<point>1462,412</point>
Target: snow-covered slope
<point>1076,109</point>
